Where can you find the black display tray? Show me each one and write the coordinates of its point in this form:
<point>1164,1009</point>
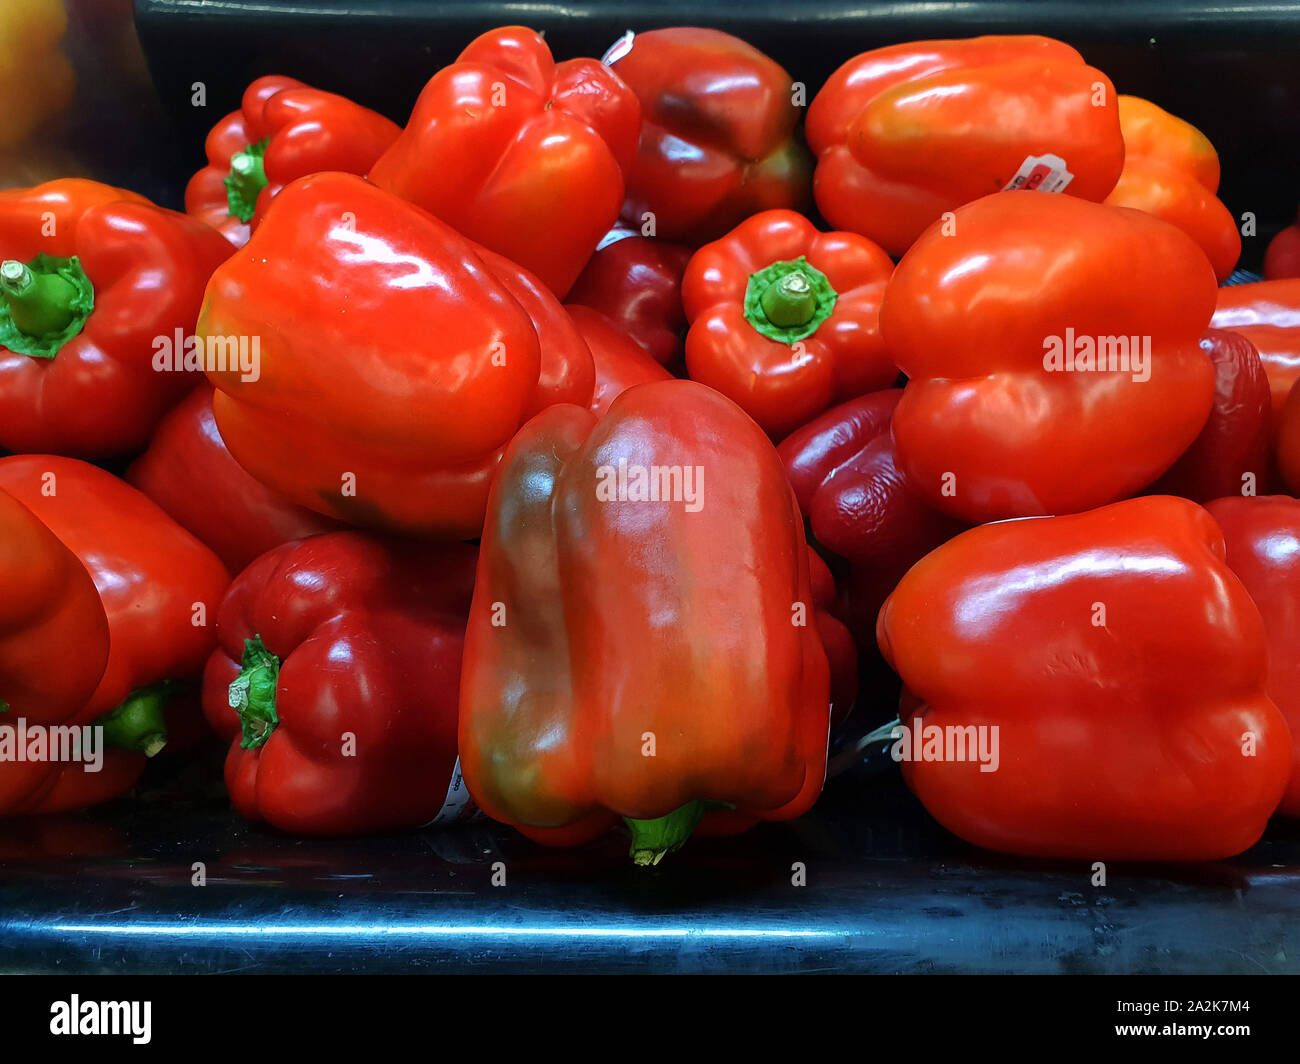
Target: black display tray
<point>887,891</point>
<point>1230,69</point>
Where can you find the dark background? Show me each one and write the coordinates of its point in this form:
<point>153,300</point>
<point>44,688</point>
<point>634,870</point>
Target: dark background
<point>1232,69</point>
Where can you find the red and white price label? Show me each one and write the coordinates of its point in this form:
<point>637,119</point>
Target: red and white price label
<point>618,49</point>
<point>1042,173</point>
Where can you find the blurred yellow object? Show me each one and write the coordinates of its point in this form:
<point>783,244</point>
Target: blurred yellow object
<point>36,79</point>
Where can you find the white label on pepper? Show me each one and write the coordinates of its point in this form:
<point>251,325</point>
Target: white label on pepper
<point>618,49</point>
<point>1044,173</point>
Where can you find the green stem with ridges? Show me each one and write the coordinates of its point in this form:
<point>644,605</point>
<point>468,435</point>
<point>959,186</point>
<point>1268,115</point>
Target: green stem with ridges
<point>246,179</point>
<point>44,303</point>
<point>252,693</point>
<point>788,301</point>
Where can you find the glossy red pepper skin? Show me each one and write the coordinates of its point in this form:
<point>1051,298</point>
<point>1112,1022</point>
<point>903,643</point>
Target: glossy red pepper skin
<point>53,649</point>
<point>1267,313</point>
<point>1263,541</point>
<point>1232,454</point>
<point>782,377</point>
<point>188,471</point>
<point>300,131</point>
<point>859,506</point>
<point>604,597</point>
<point>1287,442</point>
<point>390,351</point>
<point>99,394</point>
<point>719,137</point>
<point>994,422</point>
<point>367,634</point>
<point>519,153</point>
<point>567,373</point>
<point>905,133</point>
<point>151,574</point>
<point>1171,170</point>
<point>53,632</point>
<point>838,642</point>
<point>637,283</point>
<point>620,362</point>
<point>1124,665</point>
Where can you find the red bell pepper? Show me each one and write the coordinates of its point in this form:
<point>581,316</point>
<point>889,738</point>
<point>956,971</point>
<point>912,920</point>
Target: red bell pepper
<point>859,506</point>
<point>283,130</point>
<point>1287,442</point>
<point>641,642</point>
<point>53,649</point>
<point>520,154</point>
<point>1232,454</point>
<point>620,361</point>
<point>93,279</point>
<point>1267,313</point>
<point>1263,541</point>
<point>190,474</point>
<point>906,133</point>
<point>395,365</point>
<point>567,373</point>
<point>1171,170</point>
<point>785,319</point>
<point>1052,353</point>
<point>336,682</point>
<point>838,642</point>
<point>159,589</point>
<point>718,133</point>
<point>637,283</point>
<point>1282,258</point>
<point>1123,666</point>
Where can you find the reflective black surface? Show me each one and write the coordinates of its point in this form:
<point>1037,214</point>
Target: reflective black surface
<point>887,890</point>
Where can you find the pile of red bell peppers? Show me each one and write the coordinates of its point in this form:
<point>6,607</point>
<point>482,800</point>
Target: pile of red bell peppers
<point>585,448</point>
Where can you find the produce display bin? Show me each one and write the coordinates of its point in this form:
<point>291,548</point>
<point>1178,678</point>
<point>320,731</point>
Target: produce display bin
<point>170,880</point>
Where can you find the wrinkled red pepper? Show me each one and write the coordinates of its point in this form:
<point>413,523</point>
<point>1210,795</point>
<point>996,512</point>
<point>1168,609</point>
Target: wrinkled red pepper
<point>785,320</point>
<point>93,279</point>
<point>637,283</point>
<point>718,133</point>
<point>1232,454</point>
<point>283,130</point>
<point>1267,313</point>
<point>845,476</point>
<point>519,153</point>
<point>336,682</point>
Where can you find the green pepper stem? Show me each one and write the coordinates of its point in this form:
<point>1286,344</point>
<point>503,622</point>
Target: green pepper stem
<point>39,303</point>
<point>653,840</point>
<point>246,179</point>
<point>791,301</point>
<point>138,724</point>
<point>788,301</point>
<point>252,693</point>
